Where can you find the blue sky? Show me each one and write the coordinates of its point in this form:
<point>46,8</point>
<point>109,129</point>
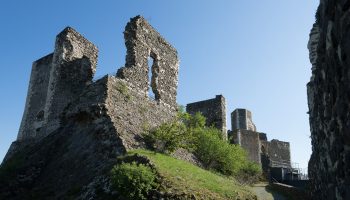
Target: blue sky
<point>253,52</point>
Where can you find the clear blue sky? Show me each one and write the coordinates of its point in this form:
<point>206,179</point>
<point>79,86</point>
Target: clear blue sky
<point>253,52</point>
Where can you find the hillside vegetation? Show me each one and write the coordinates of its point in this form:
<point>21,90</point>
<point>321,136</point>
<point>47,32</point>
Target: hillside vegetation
<point>178,179</point>
<point>223,173</point>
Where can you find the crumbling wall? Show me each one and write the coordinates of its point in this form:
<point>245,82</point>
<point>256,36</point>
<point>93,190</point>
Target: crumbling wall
<point>33,115</point>
<point>64,78</point>
<point>142,42</point>
<point>242,119</point>
<point>249,141</point>
<point>89,124</point>
<point>214,110</point>
<point>56,80</point>
<point>129,111</point>
<point>328,100</point>
<point>73,66</point>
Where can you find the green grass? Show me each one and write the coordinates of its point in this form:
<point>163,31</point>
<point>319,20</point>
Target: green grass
<point>182,177</point>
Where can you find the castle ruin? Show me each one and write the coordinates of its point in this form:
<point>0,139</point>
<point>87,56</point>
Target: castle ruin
<point>56,80</point>
<point>273,156</point>
<point>61,90</point>
<point>102,119</point>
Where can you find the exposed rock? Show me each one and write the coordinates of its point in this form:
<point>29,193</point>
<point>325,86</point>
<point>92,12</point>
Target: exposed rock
<point>328,100</point>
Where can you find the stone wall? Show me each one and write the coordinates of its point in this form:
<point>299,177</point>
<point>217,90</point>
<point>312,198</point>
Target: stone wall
<point>130,112</point>
<point>278,151</point>
<point>56,80</point>
<point>214,110</point>
<point>249,141</point>
<point>33,115</point>
<point>242,119</point>
<point>328,100</point>
<point>73,66</point>
<point>268,153</point>
<point>143,42</point>
<point>61,90</point>
<point>272,153</point>
<point>87,125</point>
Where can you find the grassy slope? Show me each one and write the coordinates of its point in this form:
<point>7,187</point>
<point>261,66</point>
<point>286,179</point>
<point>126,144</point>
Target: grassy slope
<point>183,177</point>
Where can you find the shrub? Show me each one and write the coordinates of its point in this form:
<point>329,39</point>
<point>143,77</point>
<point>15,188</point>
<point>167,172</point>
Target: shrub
<point>249,174</point>
<point>195,121</point>
<point>189,132</point>
<point>132,180</point>
<point>216,153</point>
<point>167,137</point>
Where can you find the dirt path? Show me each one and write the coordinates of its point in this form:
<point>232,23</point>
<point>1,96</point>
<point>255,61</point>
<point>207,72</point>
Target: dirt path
<point>264,194</point>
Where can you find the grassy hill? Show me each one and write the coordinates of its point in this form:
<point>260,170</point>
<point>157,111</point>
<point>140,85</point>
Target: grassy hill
<point>187,181</point>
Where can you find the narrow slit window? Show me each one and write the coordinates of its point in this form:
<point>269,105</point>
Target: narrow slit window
<point>151,94</point>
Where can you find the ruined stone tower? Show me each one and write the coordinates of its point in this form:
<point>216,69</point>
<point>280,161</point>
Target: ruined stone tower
<point>56,80</point>
<point>74,128</point>
<point>61,90</point>
<point>242,119</point>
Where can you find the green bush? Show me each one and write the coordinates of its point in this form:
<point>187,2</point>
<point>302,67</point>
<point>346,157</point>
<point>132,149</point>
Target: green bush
<point>189,132</point>
<point>167,137</point>
<point>249,174</point>
<point>216,153</point>
<point>132,180</point>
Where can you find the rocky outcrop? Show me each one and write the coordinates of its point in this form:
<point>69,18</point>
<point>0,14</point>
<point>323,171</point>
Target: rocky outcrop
<point>328,100</point>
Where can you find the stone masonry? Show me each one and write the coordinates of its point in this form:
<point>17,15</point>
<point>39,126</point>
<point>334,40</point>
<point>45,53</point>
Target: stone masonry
<point>56,80</point>
<point>33,115</point>
<point>249,141</point>
<point>243,132</point>
<point>143,42</point>
<point>255,143</point>
<point>73,67</point>
<point>242,119</point>
<point>278,152</point>
<point>61,90</point>
<point>214,110</point>
<point>328,100</point>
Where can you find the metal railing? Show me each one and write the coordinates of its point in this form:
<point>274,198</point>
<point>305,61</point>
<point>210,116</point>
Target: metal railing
<point>282,163</point>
